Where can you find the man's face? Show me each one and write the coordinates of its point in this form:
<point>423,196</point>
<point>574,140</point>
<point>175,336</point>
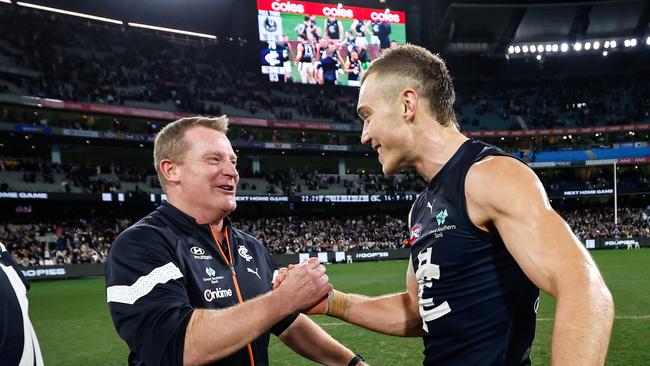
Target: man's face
<point>208,172</point>
<point>384,127</point>
<point>331,47</point>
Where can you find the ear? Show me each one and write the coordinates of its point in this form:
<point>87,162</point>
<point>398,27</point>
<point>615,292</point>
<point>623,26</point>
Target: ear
<point>410,102</point>
<point>169,170</point>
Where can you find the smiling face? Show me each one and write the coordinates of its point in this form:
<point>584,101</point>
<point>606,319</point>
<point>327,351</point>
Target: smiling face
<point>384,126</point>
<point>207,174</point>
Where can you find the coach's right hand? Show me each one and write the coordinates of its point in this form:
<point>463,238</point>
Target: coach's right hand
<point>304,285</point>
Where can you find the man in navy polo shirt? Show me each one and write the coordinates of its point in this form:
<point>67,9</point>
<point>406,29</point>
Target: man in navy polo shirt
<point>184,287</point>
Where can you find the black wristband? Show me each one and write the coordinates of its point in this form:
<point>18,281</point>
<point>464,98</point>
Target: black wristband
<point>355,361</point>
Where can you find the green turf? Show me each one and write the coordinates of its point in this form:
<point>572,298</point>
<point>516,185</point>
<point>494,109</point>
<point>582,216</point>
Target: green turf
<point>73,326</point>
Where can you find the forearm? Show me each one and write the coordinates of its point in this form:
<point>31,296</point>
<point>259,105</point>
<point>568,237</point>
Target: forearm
<point>310,341</point>
<point>583,323</point>
<point>391,314</point>
<point>243,323</point>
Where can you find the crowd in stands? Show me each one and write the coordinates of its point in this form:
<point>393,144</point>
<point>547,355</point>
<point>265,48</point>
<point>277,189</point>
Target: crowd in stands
<point>89,241</point>
<point>87,178</point>
<point>598,222</point>
<point>555,102</point>
<point>70,59</point>
<point>61,242</point>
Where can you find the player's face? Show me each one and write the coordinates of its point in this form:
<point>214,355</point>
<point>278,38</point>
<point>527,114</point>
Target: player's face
<point>383,126</point>
<point>208,173</point>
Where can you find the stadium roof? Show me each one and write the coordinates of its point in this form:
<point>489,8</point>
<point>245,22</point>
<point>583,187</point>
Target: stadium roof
<point>476,26</point>
<point>491,26</point>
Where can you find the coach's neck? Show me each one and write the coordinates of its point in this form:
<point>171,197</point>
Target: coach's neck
<point>202,215</point>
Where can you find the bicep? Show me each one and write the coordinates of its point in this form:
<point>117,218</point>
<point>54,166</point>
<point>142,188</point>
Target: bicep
<point>535,235</point>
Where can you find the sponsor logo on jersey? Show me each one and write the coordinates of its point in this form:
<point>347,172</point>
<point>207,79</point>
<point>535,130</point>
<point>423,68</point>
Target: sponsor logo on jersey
<point>199,253</point>
<point>441,217</point>
<point>212,276</point>
<point>249,270</point>
<point>209,295</point>
<point>416,230</point>
<point>243,252</point>
<point>210,272</point>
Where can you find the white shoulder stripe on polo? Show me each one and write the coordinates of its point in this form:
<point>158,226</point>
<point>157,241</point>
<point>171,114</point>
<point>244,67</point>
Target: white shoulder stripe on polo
<point>2,248</point>
<point>130,294</point>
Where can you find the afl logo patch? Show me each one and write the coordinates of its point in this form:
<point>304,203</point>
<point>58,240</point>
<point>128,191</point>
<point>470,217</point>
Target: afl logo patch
<point>415,233</point>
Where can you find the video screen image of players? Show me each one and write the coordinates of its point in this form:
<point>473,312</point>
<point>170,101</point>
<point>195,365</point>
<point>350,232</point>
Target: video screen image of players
<point>313,43</point>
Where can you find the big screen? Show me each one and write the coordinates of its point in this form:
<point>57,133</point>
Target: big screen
<point>316,43</point>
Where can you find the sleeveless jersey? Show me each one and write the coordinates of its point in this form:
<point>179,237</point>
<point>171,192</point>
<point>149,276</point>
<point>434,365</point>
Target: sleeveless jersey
<point>359,29</point>
<point>476,304</point>
<point>307,52</point>
<point>355,66</point>
<point>333,29</point>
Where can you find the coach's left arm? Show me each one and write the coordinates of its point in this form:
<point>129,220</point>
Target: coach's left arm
<point>310,341</point>
<point>505,195</point>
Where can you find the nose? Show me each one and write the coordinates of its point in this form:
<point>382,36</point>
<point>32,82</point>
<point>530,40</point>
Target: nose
<point>365,137</point>
<point>230,170</point>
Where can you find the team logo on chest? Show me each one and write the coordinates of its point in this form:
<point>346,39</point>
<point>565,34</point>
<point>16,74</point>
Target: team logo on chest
<point>416,230</point>
<point>243,252</point>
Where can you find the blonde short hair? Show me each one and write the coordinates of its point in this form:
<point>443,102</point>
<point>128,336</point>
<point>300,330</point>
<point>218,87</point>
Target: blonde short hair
<point>170,143</point>
<point>425,72</point>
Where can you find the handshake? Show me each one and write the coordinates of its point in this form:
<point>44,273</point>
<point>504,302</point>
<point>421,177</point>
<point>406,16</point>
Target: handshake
<point>311,292</point>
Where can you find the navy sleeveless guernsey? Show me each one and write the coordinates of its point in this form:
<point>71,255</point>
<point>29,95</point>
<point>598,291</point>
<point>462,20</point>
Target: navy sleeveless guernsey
<point>476,304</point>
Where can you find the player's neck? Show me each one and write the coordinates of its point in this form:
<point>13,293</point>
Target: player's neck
<point>436,148</point>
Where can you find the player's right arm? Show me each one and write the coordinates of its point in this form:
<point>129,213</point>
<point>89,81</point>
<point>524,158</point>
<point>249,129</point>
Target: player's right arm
<point>395,314</point>
<point>298,53</point>
<point>151,310</point>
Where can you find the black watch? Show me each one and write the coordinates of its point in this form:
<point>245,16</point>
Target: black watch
<point>355,361</point>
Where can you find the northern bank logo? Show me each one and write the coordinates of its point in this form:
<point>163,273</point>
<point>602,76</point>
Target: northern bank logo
<point>210,295</point>
<point>212,276</point>
<point>441,217</point>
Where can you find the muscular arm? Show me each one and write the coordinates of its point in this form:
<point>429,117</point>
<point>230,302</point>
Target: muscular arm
<point>309,340</point>
<point>395,314</point>
<point>246,321</point>
<point>549,254</point>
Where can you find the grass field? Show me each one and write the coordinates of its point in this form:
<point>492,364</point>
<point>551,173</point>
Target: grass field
<point>74,328</point>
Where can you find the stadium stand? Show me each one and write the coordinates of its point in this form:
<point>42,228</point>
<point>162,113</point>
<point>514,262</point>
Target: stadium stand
<point>82,61</point>
<point>89,240</point>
